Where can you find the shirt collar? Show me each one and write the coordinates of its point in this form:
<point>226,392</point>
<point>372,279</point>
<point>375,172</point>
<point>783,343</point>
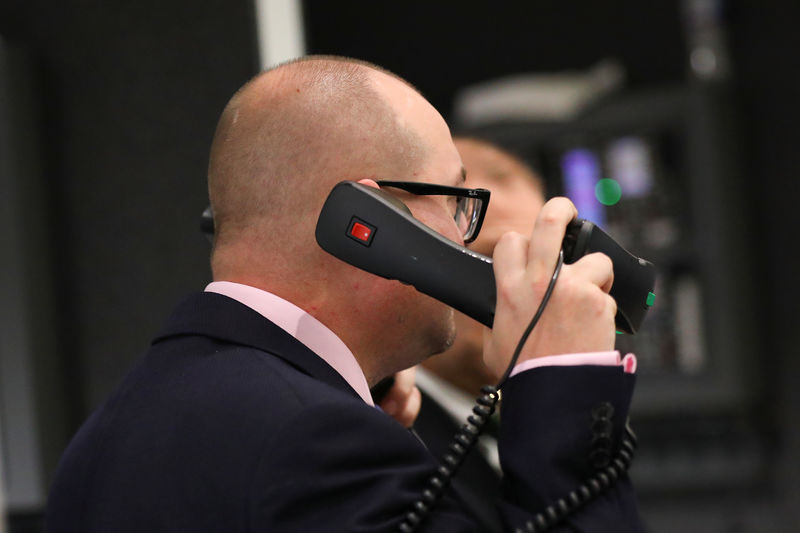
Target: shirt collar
<point>303,327</point>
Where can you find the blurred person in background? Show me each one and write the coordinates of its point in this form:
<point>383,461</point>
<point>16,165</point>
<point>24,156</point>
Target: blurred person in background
<point>451,381</point>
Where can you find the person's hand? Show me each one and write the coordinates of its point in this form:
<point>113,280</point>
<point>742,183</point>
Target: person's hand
<point>580,314</point>
<point>403,400</point>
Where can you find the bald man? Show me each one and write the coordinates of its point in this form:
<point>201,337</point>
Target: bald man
<point>252,410</point>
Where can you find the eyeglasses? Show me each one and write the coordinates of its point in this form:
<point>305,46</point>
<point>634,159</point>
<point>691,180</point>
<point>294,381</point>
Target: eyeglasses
<point>470,203</point>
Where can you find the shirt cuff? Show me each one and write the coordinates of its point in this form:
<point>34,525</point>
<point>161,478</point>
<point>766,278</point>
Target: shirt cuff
<point>628,363</point>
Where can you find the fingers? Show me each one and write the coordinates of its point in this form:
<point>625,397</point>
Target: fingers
<point>369,183</point>
<point>404,381</point>
<point>403,401</point>
<point>408,415</point>
<point>510,257</point>
<point>597,268</point>
<point>580,315</point>
<point>548,234</point>
<point>515,254</point>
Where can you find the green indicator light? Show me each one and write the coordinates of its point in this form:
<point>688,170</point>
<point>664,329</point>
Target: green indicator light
<point>651,298</point>
<point>620,333</point>
<point>608,191</point>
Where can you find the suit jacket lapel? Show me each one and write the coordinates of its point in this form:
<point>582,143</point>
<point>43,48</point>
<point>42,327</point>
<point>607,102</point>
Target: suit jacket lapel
<point>220,317</point>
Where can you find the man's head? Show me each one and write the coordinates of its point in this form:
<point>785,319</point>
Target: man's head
<point>517,197</point>
<point>282,143</point>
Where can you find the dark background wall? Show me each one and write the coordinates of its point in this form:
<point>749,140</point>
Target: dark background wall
<point>443,46</point>
<point>126,96</point>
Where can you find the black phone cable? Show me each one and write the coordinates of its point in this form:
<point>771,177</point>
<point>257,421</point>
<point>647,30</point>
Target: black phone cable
<point>468,434</point>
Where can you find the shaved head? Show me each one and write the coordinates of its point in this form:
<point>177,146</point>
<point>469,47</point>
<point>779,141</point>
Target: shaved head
<point>283,141</point>
<point>290,134</point>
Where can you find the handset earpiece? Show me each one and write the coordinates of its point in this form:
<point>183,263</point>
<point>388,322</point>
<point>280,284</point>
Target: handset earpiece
<point>365,227</point>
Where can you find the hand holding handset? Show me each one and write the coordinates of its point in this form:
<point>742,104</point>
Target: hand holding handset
<point>373,230</point>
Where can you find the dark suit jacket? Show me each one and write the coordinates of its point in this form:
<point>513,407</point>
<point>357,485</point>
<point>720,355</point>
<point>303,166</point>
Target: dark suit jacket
<point>477,484</point>
<point>229,424</point>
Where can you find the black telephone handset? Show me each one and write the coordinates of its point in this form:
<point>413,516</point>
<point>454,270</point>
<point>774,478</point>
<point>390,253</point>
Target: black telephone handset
<point>374,231</point>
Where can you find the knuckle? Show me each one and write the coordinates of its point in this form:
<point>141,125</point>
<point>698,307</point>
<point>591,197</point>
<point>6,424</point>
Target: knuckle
<point>506,290</point>
<point>612,305</point>
<point>604,259</point>
<point>600,260</point>
<point>549,218</point>
<point>510,248</point>
<point>556,212</point>
<point>509,239</point>
<point>586,296</point>
<point>595,299</point>
<point>559,204</point>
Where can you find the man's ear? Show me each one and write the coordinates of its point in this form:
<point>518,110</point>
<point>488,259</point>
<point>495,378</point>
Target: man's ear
<point>369,183</point>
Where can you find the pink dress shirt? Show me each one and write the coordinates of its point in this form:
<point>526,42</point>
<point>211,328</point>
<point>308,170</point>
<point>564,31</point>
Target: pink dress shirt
<point>303,327</point>
<point>327,345</point>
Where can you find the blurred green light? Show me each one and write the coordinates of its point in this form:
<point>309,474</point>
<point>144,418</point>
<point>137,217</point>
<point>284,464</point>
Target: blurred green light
<point>651,299</point>
<point>608,191</point>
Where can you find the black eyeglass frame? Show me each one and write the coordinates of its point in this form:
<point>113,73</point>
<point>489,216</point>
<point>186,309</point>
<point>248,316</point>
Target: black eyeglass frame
<point>433,189</point>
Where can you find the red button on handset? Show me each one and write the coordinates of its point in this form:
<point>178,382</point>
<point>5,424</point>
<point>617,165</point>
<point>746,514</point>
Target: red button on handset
<point>360,231</point>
